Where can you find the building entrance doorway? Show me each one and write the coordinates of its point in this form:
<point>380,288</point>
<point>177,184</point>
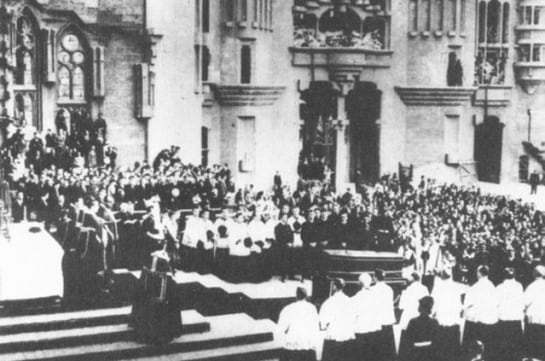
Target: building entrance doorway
<point>487,149</point>
<point>363,107</point>
<point>318,112</point>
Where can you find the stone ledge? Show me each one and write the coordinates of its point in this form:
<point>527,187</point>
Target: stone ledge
<point>493,95</point>
<point>427,96</point>
<point>340,56</point>
<point>247,94</point>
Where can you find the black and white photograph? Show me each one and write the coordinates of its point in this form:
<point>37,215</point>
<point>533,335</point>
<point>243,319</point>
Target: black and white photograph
<point>272,180</point>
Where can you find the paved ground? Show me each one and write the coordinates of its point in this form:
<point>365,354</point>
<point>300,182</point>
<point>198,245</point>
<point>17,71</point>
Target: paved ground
<point>517,191</point>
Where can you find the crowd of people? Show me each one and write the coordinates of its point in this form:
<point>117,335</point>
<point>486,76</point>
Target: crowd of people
<point>450,323</point>
<point>107,217</point>
<point>80,142</point>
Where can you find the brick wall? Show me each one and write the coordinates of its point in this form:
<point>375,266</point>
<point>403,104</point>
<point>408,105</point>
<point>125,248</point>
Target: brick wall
<point>124,131</point>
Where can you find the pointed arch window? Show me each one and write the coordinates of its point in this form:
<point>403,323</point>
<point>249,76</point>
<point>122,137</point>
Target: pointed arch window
<point>25,107</point>
<point>71,73</point>
<point>26,76</point>
<point>64,82</point>
<point>25,71</point>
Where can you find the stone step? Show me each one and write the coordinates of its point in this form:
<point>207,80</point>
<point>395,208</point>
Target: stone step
<point>264,351</point>
<point>71,337</point>
<point>64,320</point>
<point>225,331</point>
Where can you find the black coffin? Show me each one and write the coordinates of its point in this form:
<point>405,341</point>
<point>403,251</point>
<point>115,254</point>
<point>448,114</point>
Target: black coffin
<point>349,264</point>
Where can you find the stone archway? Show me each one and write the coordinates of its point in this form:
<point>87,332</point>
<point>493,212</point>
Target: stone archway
<point>318,111</point>
<point>363,108</point>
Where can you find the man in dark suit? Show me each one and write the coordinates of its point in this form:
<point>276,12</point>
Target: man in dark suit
<point>343,233</point>
<point>284,241</point>
<point>309,236</point>
<point>18,208</point>
<point>534,182</point>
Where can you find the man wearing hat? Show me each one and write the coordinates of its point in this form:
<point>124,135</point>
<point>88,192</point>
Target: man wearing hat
<point>368,325</point>
<point>421,335</point>
<point>534,297</point>
<point>385,312</point>
<point>510,315</point>
<point>299,324</point>
<point>337,321</point>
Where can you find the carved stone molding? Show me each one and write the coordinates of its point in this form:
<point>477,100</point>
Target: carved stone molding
<point>332,57</point>
<point>429,96</point>
<point>247,94</point>
<point>153,40</point>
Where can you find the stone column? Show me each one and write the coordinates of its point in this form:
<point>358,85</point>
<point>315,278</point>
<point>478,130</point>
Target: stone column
<point>342,155</point>
<point>342,161</point>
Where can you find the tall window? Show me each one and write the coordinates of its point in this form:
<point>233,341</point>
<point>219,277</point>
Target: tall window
<point>413,13</point>
<point>229,9</point>
<point>482,22</point>
<point>463,16</point>
<point>439,13</point>
<point>492,51</point>
<point>426,14</point>
<point>246,64</point>
<point>242,10</point>
<point>270,18</point>
<point>25,107</point>
<point>451,15</point>
<point>71,68</point>
<point>205,16</point>
<point>25,72</point>
<point>246,145</point>
<point>493,20</point>
<point>203,61</point>
<point>204,146</point>
<point>505,23</point>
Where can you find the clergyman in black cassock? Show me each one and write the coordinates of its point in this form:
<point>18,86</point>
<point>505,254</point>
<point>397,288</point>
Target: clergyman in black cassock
<point>421,335</point>
<point>156,310</point>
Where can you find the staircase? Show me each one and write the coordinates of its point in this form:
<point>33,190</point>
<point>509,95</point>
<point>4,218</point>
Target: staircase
<point>535,152</point>
<point>466,171</point>
<point>104,335</point>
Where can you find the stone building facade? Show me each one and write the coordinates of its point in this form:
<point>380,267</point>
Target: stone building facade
<point>453,87</point>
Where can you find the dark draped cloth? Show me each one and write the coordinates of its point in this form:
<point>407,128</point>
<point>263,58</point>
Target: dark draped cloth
<point>448,343</point>
<point>387,351</point>
<point>534,343</point>
<point>509,340</point>
<point>338,351</point>
<point>482,332</point>
<point>420,340</point>
<point>156,310</point>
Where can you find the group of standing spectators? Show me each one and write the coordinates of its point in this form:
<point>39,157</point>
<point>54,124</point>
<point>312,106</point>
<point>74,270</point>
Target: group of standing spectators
<point>27,151</point>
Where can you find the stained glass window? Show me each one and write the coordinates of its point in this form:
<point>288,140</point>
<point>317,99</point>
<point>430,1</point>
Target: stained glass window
<point>24,108</point>
<point>71,71</point>
<point>64,82</point>
<point>25,54</point>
